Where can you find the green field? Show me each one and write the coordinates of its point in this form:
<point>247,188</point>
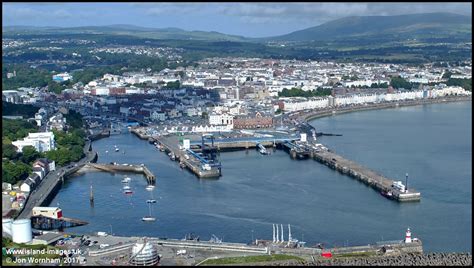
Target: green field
<point>252,259</point>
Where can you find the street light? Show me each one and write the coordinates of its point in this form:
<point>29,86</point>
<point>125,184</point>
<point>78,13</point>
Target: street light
<point>252,235</point>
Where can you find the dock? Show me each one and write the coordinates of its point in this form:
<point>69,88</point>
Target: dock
<point>297,148</point>
<point>125,168</point>
<point>191,161</point>
<point>48,223</point>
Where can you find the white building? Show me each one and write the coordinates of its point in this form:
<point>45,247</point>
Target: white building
<point>298,103</point>
<point>42,141</point>
<point>158,116</point>
<point>62,77</point>
<point>221,119</point>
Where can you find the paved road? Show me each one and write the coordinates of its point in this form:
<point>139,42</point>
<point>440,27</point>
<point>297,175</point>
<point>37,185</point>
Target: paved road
<point>38,196</point>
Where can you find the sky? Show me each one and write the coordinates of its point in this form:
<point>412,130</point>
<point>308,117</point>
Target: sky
<point>250,19</point>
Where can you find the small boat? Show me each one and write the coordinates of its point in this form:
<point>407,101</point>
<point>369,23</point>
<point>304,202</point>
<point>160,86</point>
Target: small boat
<point>151,201</point>
<point>150,187</point>
<point>128,192</point>
<point>182,165</point>
<point>126,187</point>
<point>148,218</point>
<point>117,149</point>
<point>387,194</point>
<point>126,180</point>
<point>106,151</point>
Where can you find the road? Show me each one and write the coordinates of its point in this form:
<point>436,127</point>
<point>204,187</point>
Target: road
<point>38,196</point>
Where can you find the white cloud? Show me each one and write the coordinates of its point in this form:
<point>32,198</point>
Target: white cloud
<point>322,12</point>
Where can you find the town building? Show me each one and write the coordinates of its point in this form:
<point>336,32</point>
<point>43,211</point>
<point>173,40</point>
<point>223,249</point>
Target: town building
<point>52,212</point>
<point>257,121</point>
<point>42,141</point>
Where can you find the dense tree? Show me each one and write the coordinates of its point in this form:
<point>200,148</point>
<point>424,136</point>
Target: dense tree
<point>29,155</point>
<point>464,83</point>
<point>399,82</point>
<point>25,77</point>
<point>14,171</point>
<point>173,85</point>
<point>17,128</point>
<point>9,151</point>
<point>297,92</point>
<point>25,110</point>
<point>74,119</point>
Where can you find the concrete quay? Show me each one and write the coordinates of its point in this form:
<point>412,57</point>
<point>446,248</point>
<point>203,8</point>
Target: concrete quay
<point>125,168</point>
<point>170,145</point>
<point>364,175</point>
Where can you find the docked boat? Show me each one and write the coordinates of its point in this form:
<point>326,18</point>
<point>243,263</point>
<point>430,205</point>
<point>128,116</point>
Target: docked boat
<point>128,191</point>
<point>387,194</point>
<point>151,201</point>
<point>126,187</point>
<point>126,180</point>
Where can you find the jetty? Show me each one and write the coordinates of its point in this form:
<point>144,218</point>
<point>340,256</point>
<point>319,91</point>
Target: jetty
<point>125,168</point>
<point>364,175</point>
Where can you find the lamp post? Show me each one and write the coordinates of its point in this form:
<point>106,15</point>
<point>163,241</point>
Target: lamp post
<point>406,183</point>
<point>252,236</point>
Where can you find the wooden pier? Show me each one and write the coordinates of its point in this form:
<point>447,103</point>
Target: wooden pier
<point>125,168</point>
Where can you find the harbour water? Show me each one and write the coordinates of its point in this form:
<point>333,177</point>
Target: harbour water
<point>432,143</point>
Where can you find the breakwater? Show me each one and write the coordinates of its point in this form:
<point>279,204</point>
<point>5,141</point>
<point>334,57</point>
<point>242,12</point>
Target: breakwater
<point>408,259</point>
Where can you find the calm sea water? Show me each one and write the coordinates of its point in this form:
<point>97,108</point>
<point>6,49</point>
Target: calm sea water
<point>432,143</point>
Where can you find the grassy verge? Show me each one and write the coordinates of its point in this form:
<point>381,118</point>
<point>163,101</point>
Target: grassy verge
<point>252,259</point>
<point>355,254</point>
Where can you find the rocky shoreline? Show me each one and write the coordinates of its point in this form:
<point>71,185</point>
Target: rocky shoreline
<point>408,259</point>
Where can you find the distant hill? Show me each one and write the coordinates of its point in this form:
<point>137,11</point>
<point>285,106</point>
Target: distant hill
<point>371,26</point>
<point>124,29</point>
